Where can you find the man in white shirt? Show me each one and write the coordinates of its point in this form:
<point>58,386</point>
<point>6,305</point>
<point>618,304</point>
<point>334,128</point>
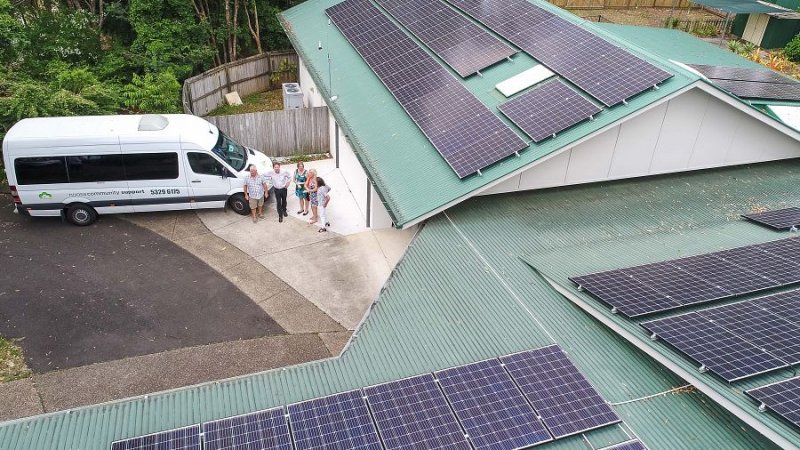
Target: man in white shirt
<point>279,179</point>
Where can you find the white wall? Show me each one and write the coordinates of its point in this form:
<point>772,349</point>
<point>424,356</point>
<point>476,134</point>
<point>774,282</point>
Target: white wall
<point>692,131</point>
<point>349,166</point>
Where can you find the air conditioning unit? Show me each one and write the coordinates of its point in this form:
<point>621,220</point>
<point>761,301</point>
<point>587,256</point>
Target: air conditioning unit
<point>292,96</point>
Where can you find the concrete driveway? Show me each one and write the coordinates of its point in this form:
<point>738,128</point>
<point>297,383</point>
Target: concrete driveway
<point>113,290</point>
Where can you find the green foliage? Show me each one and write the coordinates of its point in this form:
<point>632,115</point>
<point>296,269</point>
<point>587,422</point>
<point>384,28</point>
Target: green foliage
<point>169,37</point>
<point>153,93</point>
<point>672,22</point>
<point>792,50</point>
<point>735,46</point>
<point>284,73</point>
<point>272,34</point>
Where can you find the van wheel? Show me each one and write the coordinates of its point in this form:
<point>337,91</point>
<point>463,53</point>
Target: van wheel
<point>238,204</point>
<point>81,215</point>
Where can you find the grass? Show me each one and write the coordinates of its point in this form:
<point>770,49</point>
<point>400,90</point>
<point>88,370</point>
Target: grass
<point>261,101</point>
<point>12,364</point>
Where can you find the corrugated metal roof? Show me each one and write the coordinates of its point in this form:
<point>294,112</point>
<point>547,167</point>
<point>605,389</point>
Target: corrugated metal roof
<point>462,293</point>
<point>678,46</point>
<point>411,178</point>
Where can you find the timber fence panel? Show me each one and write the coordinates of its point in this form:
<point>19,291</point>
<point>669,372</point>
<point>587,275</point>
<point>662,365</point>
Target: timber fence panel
<point>301,131</point>
<point>205,92</point>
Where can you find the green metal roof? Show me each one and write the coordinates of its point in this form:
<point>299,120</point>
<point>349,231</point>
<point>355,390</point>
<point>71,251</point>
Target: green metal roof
<point>463,293</point>
<point>679,46</point>
<point>411,178</point>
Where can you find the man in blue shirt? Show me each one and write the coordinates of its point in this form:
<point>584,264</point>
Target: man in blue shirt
<point>279,179</point>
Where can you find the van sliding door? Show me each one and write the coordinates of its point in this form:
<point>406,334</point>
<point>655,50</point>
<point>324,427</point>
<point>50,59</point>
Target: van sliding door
<point>154,177</point>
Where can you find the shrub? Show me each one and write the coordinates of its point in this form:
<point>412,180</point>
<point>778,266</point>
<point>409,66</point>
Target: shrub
<point>792,50</point>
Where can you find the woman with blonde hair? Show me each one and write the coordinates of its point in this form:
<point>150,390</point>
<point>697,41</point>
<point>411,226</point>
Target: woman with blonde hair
<point>300,176</point>
<point>311,188</point>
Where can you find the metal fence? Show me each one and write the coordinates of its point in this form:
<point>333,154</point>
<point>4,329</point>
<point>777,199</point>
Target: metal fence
<point>206,91</point>
<point>291,132</point>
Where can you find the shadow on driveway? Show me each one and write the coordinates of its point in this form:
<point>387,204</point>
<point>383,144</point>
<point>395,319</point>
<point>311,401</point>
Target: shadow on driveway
<point>81,295</point>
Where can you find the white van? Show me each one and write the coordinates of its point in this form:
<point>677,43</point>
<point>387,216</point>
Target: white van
<point>80,167</point>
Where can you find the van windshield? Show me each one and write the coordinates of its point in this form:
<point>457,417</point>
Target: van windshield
<point>230,150</point>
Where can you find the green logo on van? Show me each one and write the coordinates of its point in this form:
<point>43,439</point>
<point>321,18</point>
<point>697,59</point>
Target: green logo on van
<point>44,195</point>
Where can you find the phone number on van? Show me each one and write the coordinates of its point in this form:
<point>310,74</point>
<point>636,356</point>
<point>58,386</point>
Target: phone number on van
<point>164,191</point>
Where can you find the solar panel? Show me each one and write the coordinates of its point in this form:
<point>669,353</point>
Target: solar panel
<point>340,421</point>
<point>782,397</point>
<point>548,109</point>
<point>657,287</point>
<point>749,89</point>
<point>717,349</point>
<point>490,407</point>
<point>464,46</point>
<point>187,438</point>
<point>607,72</point>
<point>563,397</point>
<point>413,413</point>
<point>265,430</point>
<point>463,130</point>
<point>630,445</point>
<point>779,219</point>
<point>784,305</point>
<point>760,75</point>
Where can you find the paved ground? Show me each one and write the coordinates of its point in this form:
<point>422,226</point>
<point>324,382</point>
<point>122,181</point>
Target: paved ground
<point>109,291</point>
<point>315,287</point>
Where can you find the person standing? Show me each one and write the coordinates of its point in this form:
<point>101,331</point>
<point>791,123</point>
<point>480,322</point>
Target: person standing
<point>311,188</point>
<point>322,203</point>
<point>255,191</point>
<point>300,176</point>
<point>280,180</point>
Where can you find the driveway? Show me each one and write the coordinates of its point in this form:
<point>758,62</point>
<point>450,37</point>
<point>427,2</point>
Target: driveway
<point>113,290</point>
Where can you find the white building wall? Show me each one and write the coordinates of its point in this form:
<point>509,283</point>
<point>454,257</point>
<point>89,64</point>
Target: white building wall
<point>692,131</point>
<point>349,166</point>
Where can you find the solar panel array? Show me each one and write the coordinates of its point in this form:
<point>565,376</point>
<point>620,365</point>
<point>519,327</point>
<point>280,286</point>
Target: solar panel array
<point>265,430</point>
<point>516,401</point>
<point>548,109</point>
<point>490,406</point>
<point>738,340</point>
<point>187,438</point>
<point>413,413</point>
<point>755,74</point>
<point>782,397</point>
<point>667,285</point>
<point>563,397</point>
<point>337,422</point>
<point>751,82</point>
<point>779,219</point>
<point>608,73</point>
<point>462,129</point>
<point>464,46</point>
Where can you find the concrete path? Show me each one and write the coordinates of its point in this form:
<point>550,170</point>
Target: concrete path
<point>341,271</point>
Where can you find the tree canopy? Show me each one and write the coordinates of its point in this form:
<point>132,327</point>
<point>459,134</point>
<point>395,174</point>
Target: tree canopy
<point>79,57</point>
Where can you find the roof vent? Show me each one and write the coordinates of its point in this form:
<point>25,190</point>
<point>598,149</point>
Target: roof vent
<point>153,122</point>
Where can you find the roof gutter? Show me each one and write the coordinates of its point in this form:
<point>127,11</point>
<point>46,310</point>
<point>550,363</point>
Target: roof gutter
<point>690,377</point>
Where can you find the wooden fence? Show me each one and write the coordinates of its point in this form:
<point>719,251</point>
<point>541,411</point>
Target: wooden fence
<point>301,131</point>
<point>206,91</point>
<point>610,4</point>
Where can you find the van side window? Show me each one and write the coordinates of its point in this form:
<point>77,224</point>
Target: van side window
<point>91,168</point>
<point>151,166</point>
<point>205,164</point>
<point>41,170</point>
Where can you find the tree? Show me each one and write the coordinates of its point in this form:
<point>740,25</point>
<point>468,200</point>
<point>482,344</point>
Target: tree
<point>153,93</point>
